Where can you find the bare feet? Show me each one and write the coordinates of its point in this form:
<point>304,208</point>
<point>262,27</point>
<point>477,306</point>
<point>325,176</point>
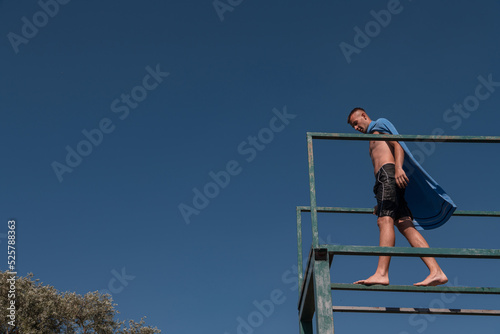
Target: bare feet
<point>433,280</point>
<point>374,279</point>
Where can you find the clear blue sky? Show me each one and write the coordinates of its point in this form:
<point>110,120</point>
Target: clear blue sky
<point>114,212</point>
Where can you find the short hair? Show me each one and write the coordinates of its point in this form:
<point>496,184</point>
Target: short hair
<point>352,112</point>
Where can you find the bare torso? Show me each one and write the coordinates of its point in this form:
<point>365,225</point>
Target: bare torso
<point>381,153</point>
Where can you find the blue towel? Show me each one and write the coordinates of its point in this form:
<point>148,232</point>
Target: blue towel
<point>430,205</point>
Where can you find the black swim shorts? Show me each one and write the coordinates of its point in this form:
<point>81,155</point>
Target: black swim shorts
<point>390,198</point>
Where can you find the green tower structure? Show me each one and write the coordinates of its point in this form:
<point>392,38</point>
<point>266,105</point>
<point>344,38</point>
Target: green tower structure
<point>315,286</point>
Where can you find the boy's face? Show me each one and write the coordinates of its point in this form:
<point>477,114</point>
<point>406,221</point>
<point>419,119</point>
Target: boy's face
<point>360,121</point>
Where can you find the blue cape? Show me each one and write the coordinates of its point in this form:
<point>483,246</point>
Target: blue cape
<point>430,205</point>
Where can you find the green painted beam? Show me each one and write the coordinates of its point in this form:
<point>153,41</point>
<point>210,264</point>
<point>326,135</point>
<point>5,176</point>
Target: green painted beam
<point>370,211</point>
<point>407,310</point>
<point>477,213</point>
<point>421,138</point>
<point>322,292</point>
<point>412,288</point>
<point>306,290</point>
<point>312,192</point>
<point>413,251</point>
<point>299,247</point>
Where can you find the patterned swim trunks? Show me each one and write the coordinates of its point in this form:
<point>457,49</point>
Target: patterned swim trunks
<point>390,198</point>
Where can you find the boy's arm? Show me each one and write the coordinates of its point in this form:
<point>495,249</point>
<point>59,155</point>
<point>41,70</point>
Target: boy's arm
<point>399,157</point>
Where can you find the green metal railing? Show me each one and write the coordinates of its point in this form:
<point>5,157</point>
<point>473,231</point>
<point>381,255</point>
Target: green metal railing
<point>314,284</point>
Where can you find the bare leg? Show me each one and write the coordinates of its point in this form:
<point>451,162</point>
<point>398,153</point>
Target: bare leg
<point>387,239</point>
<point>436,276</point>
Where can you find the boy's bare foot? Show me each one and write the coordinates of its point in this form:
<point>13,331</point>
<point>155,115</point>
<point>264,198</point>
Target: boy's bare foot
<point>374,279</point>
<point>433,280</point>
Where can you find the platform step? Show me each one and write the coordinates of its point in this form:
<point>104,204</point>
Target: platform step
<point>412,288</point>
<point>411,251</point>
<point>409,310</point>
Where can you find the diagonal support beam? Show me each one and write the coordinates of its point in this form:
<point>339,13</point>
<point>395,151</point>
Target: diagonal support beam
<point>306,293</point>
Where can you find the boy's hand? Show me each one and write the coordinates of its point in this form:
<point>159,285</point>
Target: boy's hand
<point>401,178</point>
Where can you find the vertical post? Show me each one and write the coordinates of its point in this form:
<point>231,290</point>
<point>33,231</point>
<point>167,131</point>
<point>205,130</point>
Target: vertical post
<point>299,248</point>
<point>323,292</point>
<point>312,190</point>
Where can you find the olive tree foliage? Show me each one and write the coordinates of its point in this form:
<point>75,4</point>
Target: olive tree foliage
<point>42,309</point>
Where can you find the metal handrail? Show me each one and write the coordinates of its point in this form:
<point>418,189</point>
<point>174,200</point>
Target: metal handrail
<point>306,309</point>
